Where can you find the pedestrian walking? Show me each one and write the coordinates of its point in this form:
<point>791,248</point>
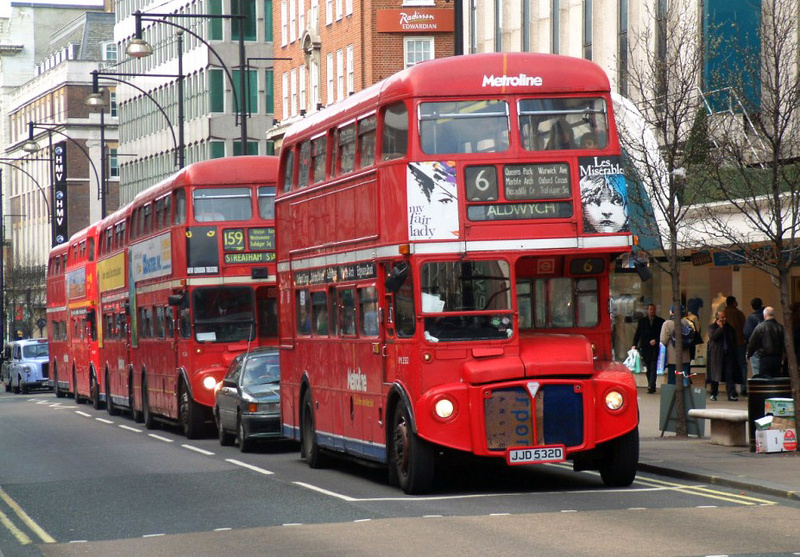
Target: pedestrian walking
<point>722,361</point>
<point>768,342</point>
<point>736,319</point>
<point>646,340</point>
<point>750,325</point>
<point>682,340</point>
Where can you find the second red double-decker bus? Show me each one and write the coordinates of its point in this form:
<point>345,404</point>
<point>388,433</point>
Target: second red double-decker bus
<point>186,282</point>
<point>444,248</point>
<point>58,318</point>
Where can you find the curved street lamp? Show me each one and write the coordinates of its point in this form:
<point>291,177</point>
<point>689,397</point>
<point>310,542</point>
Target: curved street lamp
<point>140,48</point>
<point>96,99</point>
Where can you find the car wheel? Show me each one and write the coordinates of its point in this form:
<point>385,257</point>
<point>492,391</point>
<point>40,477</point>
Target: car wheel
<point>225,438</point>
<point>245,443</point>
<point>411,459</point>
<point>8,385</point>
<point>147,415</point>
<point>23,387</point>
<point>16,387</point>
<point>308,440</point>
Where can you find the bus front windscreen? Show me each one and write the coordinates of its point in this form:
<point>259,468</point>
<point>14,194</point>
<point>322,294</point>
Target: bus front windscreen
<point>224,314</point>
<point>466,300</point>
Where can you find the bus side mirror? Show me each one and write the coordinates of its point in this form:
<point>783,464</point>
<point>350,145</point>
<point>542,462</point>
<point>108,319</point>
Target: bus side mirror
<point>177,300</point>
<point>397,276</point>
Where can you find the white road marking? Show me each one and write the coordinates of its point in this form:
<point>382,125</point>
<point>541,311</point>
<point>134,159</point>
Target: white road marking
<point>198,450</point>
<point>249,466</point>
<point>133,429</point>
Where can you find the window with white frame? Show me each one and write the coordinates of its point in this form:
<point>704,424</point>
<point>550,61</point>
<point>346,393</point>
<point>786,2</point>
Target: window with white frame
<point>292,20</point>
<point>113,163</point>
<point>302,87</point>
<point>339,75</point>
<point>301,18</point>
<point>339,10</point>
<point>284,23</point>
<point>329,77</point>
<point>314,78</point>
<point>417,49</point>
<point>293,85</point>
<point>328,12</point>
<point>350,70</point>
<point>110,53</point>
<point>285,94</point>
<point>313,16</point>
<point>113,98</point>
<point>348,7</point>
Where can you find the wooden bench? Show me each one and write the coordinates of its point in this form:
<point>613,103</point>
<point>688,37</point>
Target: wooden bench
<point>728,426</point>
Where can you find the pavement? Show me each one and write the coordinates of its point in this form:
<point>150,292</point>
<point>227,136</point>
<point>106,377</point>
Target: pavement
<point>697,459</point>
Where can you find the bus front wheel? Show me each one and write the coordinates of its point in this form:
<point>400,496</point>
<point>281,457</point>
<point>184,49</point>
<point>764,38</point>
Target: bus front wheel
<point>310,448</point>
<point>618,467</point>
<point>110,407</point>
<point>191,417</point>
<point>135,414</point>
<point>56,387</point>
<point>94,388</point>
<point>411,459</point>
<point>147,414</point>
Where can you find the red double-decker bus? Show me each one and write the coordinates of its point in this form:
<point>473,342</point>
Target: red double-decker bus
<point>444,248</point>
<point>187,281</point>
<point>80,376</point>
<point>58,318</point>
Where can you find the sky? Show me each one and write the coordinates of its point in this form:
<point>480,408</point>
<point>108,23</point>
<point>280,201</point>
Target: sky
<point>5,5</point>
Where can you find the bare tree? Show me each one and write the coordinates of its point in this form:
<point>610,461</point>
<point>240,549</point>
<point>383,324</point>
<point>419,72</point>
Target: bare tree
<point>25,296</point>
<point>657,130</point>
<point>755,167</point>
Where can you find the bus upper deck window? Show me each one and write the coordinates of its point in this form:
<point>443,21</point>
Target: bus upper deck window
<point>288,170</point>
<point>222,204</point>
<point>366,141</point>
<point>318,158</point>
<point>304,164</point>
<point>394,137</point>
<point>266,202</point>
<point>574,123</point>
<point>464,127</point>
<point>347,149</point>
<point>180,207</point>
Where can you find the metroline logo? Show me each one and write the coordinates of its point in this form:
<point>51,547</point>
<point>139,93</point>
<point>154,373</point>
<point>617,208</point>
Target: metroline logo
<point>520,80</point>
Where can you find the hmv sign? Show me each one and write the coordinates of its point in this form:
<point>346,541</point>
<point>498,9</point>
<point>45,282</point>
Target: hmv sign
<point>59,201</point>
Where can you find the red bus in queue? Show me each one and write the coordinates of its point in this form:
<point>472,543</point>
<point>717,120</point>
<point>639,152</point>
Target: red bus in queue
<point>79,374</point>
<point>188,281</point>
<point>444,248</point>
<point>58,317</point>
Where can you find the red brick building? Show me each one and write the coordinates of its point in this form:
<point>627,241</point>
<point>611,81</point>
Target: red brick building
<point>328,49</point>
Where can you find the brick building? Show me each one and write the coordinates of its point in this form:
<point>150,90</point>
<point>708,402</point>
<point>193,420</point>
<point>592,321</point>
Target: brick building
<point>329,49</point>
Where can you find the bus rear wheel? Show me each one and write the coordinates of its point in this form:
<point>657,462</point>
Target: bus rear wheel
<point>110,407</point>
<point>149,422</point>
<point>310,449</point>
<point>411,459</point>
<point>135,414</point>
<point>618,467</point>
<point>75,387</point>
<point>191,417</point>
<point>94,388</point>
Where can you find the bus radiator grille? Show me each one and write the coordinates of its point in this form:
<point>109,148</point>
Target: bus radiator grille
<point>555,417</point>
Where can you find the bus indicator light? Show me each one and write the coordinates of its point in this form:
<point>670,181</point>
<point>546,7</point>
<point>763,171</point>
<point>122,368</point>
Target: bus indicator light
<point>614,400</point>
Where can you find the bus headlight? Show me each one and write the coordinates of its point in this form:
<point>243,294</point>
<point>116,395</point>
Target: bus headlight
<point>209,383</point>
<point>444,408</point>
<point>614,400</point>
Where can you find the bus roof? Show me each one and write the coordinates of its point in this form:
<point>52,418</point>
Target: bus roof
<point>469,75</point>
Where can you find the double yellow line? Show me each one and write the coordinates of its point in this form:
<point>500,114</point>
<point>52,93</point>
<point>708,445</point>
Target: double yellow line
<point>21,536</point>
<point>705,492</point>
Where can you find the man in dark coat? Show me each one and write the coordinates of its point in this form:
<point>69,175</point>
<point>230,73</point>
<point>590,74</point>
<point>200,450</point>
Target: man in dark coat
<point>769,344</point>
<point>723,361</point>
<point>645,340</point>
<point>750,325</point>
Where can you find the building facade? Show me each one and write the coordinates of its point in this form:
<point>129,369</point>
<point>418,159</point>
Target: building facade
<point>209,63</point>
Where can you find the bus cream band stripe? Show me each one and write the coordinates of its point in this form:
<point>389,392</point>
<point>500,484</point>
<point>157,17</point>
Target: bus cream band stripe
<point>204,281</point>
<point>56,310</point>
<point>459,247</point>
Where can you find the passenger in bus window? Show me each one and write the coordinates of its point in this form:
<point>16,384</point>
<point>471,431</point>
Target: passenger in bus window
<point>561,136</point>
<point>589,141</point>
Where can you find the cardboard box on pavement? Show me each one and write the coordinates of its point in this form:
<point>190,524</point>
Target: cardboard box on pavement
<point>763,423</point>
<point>776,440</point>
<point>782,423</point>
<point>779,406</point>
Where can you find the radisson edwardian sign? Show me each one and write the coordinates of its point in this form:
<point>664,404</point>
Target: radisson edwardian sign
<point>415,20</point>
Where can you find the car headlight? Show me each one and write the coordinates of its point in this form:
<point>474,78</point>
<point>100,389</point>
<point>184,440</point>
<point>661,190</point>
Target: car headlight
<point>614,400</point>
<point>209,383</point>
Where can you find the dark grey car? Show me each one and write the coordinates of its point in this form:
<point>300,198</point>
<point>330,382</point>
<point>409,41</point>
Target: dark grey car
<point>247,407</point>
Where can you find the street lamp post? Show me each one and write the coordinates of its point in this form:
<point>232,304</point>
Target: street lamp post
<point>97,99</point>
<point>139,48</point>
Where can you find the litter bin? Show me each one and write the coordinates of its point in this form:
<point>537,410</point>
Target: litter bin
<point>759,389</point>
